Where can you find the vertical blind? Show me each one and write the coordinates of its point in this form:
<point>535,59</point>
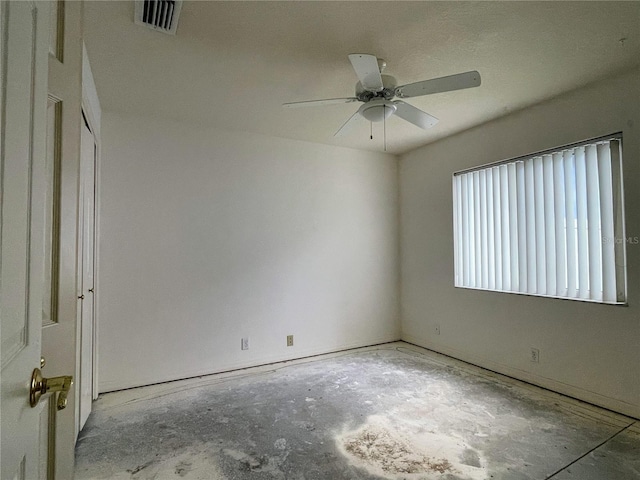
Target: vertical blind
<point>548,224</point>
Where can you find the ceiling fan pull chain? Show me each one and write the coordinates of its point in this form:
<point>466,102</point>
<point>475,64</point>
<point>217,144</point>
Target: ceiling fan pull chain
<point>371,130</point>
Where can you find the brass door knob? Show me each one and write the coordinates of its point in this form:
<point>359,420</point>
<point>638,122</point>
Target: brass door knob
<point>41,385</point>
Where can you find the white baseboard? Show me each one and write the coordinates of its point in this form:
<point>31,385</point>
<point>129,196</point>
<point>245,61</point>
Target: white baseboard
<point>115,385</point>
<point>574,391</point>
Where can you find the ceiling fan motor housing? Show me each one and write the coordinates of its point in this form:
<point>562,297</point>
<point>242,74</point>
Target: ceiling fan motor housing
<point>388,92</point>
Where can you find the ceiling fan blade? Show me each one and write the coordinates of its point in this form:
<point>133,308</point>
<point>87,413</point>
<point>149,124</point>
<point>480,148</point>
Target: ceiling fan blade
<point>354,120</point>
<point>315,103</point>
<point>367,70</point>
<point>414,115</point>
<point>438,85</point>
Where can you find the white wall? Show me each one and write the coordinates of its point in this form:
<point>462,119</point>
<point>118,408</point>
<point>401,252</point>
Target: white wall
<point>590,351</point>
<point>208,236</point>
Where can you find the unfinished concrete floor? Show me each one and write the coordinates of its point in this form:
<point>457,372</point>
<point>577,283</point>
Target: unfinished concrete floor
<point>390,412</point>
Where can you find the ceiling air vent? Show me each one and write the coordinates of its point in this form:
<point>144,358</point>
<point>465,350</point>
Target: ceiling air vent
<point>161,15</point>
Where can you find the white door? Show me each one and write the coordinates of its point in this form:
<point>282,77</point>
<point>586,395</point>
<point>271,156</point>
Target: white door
<point>87,218</point>
<point>23,66</point>
<point>61,328</point>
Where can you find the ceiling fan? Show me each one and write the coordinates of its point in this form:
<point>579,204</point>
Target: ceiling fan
<point>377,92</point>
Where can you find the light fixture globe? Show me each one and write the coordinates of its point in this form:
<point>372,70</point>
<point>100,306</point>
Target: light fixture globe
<point>377,110</point>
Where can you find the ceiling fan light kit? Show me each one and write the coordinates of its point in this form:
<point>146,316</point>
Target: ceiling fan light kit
<point>377,92</point>
<point>377,110</point>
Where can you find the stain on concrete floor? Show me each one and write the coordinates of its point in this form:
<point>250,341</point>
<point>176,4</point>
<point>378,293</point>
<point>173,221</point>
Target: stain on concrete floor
<point>386,413</point>
<point>389,450</point>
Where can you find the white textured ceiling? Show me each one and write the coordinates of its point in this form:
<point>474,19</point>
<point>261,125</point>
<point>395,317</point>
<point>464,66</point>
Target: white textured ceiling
<point>232,64</point>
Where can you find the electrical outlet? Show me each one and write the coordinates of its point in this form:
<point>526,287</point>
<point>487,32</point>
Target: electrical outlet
<point>535,355</point>
<point>289,340</point>
<point>244,345</point>
<point>437,329</point>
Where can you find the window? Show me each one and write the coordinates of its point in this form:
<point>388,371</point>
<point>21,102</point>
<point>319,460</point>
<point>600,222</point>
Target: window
<point>546,224</point>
